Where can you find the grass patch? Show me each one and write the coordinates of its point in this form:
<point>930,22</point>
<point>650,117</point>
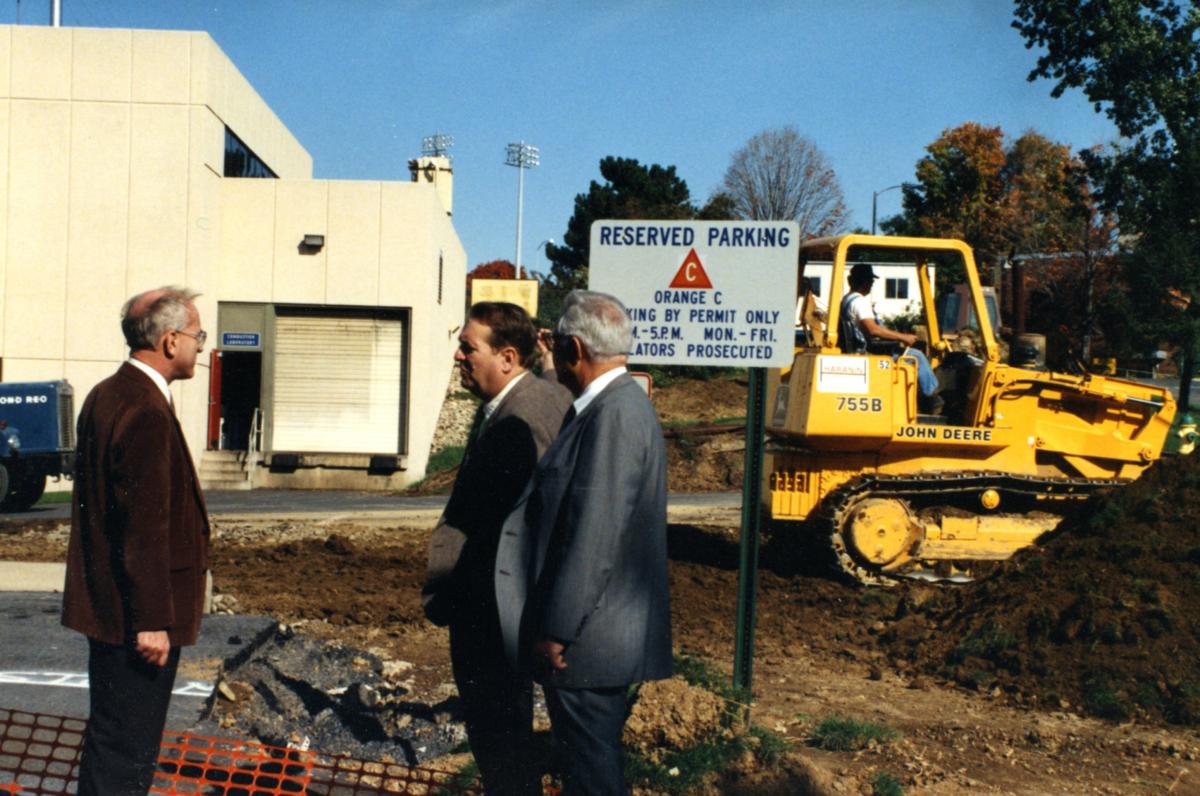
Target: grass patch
<point>989,642</point>
<point>52,498</point>
<point>447,458</point>
<point>702,674</point>
<point>684,771</point>
<point>842,734</point>
<point>885,784</point>
<point>1101,698</point>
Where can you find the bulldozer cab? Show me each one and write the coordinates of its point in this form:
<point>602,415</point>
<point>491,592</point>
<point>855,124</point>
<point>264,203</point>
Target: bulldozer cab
<point>918,254</point>
<point>821,344</point>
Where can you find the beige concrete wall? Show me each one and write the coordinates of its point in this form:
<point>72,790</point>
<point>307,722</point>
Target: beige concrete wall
<point>382,244</point>
<point>111,152</point>
<point>111,155</point>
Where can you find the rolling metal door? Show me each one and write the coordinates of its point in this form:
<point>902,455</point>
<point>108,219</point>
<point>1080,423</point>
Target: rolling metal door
<point>337,384</point>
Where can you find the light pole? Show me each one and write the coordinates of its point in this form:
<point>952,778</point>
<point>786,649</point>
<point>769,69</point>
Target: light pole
<point>523,156</point>
<point>875,197</point>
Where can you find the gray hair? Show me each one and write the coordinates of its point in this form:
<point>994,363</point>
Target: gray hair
<point>600,321</point>
<point>146,317</point>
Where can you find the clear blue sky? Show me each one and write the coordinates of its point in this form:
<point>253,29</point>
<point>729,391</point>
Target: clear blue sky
<point>360,82</point>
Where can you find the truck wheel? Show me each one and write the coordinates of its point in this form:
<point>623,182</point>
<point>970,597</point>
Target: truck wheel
<point>25,487</point>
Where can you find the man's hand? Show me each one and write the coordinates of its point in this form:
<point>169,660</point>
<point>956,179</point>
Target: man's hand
<point>545,349</point>
<point>548,657</point>
<point>154,646</point>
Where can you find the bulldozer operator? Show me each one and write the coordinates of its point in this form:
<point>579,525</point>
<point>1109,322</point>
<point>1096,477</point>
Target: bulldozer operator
<point>860,328</point>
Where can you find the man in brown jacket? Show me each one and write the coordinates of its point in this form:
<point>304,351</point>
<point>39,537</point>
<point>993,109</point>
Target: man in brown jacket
<point>139,543</point>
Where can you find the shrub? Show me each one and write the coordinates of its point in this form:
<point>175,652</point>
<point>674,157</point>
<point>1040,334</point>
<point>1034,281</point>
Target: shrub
<point>885,784</point>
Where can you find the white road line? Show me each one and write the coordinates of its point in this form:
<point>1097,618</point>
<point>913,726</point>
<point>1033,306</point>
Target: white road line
<point>193,688</point>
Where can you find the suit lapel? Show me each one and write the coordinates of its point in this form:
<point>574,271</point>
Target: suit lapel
<point>148,391</point>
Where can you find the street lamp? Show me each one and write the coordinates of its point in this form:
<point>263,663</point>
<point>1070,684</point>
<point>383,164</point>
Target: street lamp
<point>522,156</point>
<point>875,197</point>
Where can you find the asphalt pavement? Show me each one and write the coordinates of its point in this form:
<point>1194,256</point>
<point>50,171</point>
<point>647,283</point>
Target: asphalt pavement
<point>43,665</point>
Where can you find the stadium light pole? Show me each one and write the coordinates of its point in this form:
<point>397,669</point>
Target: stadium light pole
<point>875,197</point>
<point>522,156</point>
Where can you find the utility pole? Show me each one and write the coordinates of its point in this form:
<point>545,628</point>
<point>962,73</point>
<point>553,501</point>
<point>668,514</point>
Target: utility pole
<point>522,156</point>
<point>875,197</point>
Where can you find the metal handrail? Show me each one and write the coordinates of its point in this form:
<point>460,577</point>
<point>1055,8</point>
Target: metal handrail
<point>254,444</point>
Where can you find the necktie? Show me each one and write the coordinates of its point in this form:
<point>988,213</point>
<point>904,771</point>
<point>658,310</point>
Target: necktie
<point>567,418</point>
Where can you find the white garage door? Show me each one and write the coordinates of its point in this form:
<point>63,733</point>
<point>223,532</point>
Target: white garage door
<point>337,384</point>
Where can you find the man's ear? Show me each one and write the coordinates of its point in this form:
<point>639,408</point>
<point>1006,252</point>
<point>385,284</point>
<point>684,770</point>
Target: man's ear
<point>509,357</point>
<point>574,351</point>
<point>168,345</point>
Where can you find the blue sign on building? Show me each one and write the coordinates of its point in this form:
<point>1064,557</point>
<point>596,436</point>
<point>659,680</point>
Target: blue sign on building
<point>239,340</point>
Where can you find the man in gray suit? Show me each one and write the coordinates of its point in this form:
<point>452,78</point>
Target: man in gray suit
<point>519,418</point>
<point>581,572</point>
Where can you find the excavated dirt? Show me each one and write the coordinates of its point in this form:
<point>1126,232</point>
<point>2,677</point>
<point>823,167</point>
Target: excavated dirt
<point>1103,614</point>
<point>819,653</point>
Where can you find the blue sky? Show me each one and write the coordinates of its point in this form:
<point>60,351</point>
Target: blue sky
<point>360,82</point>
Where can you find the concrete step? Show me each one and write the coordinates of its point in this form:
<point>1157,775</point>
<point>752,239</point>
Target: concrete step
<point>221,467</point>
<point>223,484</point>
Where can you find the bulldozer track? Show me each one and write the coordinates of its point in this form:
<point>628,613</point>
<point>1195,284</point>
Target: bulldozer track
<point>925,489</point>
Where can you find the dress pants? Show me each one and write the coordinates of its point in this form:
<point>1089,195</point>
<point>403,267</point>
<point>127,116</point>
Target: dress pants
<point>129,700</point>
<point>497,706</point>
<point>587,725</point>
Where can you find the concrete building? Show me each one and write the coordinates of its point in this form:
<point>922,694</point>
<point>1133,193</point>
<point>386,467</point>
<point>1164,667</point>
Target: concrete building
<point>131,159</point>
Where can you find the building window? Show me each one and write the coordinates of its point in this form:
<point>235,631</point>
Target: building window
<point>896,288</point>
<point>440,271</point>
<point>240,160</point>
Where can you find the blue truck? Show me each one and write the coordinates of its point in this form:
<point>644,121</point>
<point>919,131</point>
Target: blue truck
<point>37,439</point>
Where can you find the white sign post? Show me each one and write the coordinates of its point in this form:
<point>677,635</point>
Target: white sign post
<point>718,293</point>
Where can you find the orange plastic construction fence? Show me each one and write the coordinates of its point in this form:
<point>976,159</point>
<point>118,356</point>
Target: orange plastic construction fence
<point>39,756</point>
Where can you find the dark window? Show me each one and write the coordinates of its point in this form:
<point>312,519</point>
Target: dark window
<point>896,288</point>
<point>815,283</point>
<point>440,270</point>
<point>240,160</point>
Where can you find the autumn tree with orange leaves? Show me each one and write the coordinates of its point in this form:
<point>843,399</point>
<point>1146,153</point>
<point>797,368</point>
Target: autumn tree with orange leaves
<point>1026,203</point>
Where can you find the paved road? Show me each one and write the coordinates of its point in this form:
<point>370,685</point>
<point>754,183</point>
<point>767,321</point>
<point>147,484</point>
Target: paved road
<point>290,501</point>
<point>43,666</point>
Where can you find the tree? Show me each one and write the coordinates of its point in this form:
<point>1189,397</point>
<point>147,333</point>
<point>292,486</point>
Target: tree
<point>781,175</point>
<point>958,190</point>
<point>1027,197</point>
<point>1137,62</point>
<point>630,190</point>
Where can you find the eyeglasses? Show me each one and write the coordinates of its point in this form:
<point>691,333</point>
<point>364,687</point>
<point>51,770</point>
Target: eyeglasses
<point>199,337</point>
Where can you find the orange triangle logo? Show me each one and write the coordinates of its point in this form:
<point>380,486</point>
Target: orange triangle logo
<point>691,274</point>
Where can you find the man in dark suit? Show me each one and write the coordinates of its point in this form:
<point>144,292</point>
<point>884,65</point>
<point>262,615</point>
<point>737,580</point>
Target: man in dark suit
<point>518,420</point>
<point>138,553</point>
<point>581,572</point>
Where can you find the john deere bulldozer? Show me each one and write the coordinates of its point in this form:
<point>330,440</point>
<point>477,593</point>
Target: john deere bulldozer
<point>853,462</point>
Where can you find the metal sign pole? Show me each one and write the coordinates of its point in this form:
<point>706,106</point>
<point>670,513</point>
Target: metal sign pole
<point>743,655</point>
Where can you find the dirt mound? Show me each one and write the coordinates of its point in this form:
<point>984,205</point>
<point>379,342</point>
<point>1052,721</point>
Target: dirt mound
<point>1102,615</point>
<point>671,715</point>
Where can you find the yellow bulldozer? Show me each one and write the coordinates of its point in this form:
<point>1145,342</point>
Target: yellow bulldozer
<point>852,461</point>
